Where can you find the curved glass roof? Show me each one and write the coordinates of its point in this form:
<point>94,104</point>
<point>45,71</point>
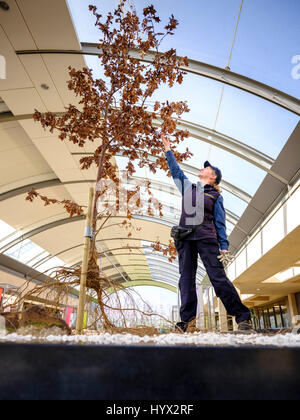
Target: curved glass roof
<point>26,251</point>
<point>220,33</point>
<point>267,35</point>
<point>240,35</point>
<point>240,132</point>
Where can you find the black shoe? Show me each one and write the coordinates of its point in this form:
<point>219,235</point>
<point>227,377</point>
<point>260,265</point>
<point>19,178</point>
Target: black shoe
<point>246,326</point>
<point>181,327</point>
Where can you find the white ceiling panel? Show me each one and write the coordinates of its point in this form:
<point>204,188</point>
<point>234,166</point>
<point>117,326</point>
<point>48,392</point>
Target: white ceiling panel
<point>50,23</point>
<point>23,101</point>
<point>34,129</point>
<point>16,76</point>
<point>57,65</point>
<point>21,163</point>
<point>55,152</point>
<point>19,158</point>
<point>40,76</point>
<point>35,213</point>
<point>12,136</point>
<point>15,28</point>
<point>49,176</point>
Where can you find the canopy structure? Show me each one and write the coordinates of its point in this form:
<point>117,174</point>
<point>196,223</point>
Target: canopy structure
<point>242,86</point>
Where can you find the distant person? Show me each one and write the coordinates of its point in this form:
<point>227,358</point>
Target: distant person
<point>207,240</point>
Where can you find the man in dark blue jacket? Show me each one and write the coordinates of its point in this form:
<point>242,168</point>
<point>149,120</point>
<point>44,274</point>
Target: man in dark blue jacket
<point>207,239</point>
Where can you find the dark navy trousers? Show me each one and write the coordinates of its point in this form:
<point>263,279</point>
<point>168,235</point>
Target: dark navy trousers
<point>208,249</point>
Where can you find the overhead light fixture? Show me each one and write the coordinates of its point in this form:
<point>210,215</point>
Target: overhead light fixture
<point>4,6</point>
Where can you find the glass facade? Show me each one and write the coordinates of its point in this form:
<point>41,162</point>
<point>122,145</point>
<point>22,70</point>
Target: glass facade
<point>272,316</point>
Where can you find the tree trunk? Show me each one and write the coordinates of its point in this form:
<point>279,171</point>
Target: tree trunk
<point>95,210</point>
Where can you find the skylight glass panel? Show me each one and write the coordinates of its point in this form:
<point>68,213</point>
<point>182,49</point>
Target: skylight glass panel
<point>37,258</point>
<point>24,251</point>
<point>5,230</point>
<point>49,266</point>
<point>233,203</point>
<point>205,32</point>
<point>255,121</point>
<point>27,252</point>
<point>237,171</point>
<point>202,94</point>
<point>267,44</point>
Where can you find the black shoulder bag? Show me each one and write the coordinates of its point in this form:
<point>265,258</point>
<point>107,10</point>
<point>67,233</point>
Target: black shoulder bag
<point>179,233</point>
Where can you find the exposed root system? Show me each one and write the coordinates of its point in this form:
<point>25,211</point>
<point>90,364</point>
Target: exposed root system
<point>112,307</point>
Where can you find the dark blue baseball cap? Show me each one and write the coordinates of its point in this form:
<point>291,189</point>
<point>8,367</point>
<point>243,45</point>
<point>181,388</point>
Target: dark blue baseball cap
<point>217,171</point>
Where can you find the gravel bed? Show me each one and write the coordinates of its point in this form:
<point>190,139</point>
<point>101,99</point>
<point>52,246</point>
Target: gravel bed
<point>172,339</point>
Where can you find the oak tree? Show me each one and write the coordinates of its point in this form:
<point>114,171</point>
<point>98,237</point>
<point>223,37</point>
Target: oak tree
<point>114,114</point>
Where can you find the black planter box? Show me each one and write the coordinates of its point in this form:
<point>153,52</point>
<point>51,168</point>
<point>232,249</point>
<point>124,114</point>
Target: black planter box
<point>67,372</point>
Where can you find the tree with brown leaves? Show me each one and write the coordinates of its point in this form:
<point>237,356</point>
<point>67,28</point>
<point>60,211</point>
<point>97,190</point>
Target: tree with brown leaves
<point>114,115</point>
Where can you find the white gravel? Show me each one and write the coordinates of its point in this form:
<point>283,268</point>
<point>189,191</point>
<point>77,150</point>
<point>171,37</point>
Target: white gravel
<point>195,339</point>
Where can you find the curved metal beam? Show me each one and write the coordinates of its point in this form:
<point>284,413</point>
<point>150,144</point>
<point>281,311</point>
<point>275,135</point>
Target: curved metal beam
<point>102,240</point>
<point>235,147</point>
<point>169,189</point>
<point>242,195</point>
<point>159,269</point>
<point>219,74</point>
<point>23,236</point>
<point>26,235</point>
<point>159,259</point>
<point>155,185</point>
<point>229,144</point>
<point>187,168</point>
<point>165,278</point>
<point>150,258</point>
<point>39,185</point>
<point>207,135</point>
<point>145,282</point>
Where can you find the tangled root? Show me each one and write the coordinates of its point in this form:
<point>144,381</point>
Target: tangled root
<point>115,308</point>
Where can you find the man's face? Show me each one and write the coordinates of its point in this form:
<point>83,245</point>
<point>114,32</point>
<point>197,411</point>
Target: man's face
<point>207,173</point>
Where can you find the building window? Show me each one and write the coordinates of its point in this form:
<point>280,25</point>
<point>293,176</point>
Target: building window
<point>273,316</point>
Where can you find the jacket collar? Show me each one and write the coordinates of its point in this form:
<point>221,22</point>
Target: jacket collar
<point>207,187</point>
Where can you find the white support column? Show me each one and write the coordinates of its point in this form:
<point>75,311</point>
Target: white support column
<point>293,310</point>
<point>178,303</point>
<point>209,326</point>
<point>222,317</point>
<point>213,310</point>
<point>200,309</point>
